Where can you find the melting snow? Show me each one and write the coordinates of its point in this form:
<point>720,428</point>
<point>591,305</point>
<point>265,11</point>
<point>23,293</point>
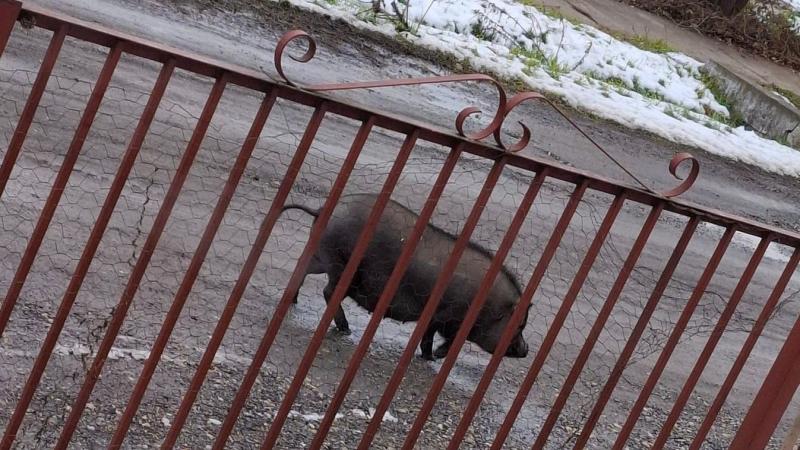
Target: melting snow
<point>360,413</point>
<point>589,69</point>
<point>774,251</point>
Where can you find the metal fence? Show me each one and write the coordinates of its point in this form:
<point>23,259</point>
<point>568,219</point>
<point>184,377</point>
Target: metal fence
<point>600,294</point>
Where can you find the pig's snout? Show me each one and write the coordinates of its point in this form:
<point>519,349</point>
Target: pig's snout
<point>518,348</point>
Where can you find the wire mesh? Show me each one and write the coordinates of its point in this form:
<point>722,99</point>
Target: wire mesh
<point>43,151</point>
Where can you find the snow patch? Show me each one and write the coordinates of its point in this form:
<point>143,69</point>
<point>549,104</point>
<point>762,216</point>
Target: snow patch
<point>214,422</point>
<point>313,417</point>
<point>594,72</point>
<point>776,252</point>
<point>387,416</point>
<point>116,353</point>
<point>360,413</point>
<point>659,93</point>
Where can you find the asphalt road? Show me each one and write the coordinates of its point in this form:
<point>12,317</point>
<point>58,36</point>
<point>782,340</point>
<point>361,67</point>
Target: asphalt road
<point>246,37</point>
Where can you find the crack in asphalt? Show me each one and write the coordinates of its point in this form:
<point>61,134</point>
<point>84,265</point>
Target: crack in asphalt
<point>139,223</point>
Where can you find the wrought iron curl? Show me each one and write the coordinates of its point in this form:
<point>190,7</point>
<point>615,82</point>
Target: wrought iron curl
<point>676,161</point>
<point>689,180</point>
<point>504,108</point>
<point>461,118</point>
<point>513,102</point>
<point>284,42</point>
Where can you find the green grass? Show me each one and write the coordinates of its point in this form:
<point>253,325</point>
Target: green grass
<point>618,83</point>
<point>621,87</point>
<point>531,58</point>
<point>679,111</point>
<point>368,15</point>
<point>784,140</point>
<point>481,31</point>
<point>791,96</point>
<point>555,68</point>
<point>649,93</point>
<point>672,111</point>
<point>643,42</point>
<point>534,58</point>
<point>713,85</point>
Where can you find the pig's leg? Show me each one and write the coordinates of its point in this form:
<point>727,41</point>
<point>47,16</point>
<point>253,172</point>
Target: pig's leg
<point>297,293</point>
<point>448,332</point>
<point>427,343</point>
<point>441,351</point>
<point>316,266</point>
<point>339,318</point>
<point>294,300</point>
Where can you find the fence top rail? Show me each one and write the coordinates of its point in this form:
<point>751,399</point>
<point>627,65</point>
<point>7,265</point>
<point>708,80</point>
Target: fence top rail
<point>97,34</point>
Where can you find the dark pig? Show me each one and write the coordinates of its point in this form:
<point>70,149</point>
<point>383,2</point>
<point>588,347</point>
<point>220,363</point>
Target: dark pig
<point>396,224</point>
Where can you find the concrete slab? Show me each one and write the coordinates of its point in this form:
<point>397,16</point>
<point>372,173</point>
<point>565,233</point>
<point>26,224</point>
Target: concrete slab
<point>766,112</point>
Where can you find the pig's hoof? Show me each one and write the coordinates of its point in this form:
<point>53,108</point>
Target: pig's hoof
<point>441,352</point>
<point>427,357</point>
<point>343,331</point>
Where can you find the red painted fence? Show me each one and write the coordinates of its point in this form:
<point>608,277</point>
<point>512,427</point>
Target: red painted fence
<point>755,430</point>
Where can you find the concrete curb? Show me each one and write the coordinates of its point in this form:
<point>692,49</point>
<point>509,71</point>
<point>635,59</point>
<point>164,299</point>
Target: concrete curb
<point>767,113</point>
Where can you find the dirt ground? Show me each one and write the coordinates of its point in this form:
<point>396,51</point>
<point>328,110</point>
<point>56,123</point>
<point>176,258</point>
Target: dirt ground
<point>245,34</point>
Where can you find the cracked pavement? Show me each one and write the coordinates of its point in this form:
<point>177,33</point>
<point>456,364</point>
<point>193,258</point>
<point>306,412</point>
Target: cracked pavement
<point>248,32</point>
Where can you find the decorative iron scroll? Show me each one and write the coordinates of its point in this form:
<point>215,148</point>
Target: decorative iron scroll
<point>689,181</point>
<point>504,108</point>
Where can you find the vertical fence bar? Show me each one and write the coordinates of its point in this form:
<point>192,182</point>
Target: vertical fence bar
<point>641,323</point>
<point>762,418</point>
<point>59,184</point>
<point>475,307</point>
<point>439,288</point>
<point>748,346</point>
<point>90,249</point>
<point>599,324</point>
<point>339,291</point>
<point>387,295</point>
<point>711,344</point>
<point>672,341</point>
<point>9,12</point>
<point>300,270</point>
<point>773,397</point>
<point>160,222</point>
<point>264,232</point>
<point>561,316</point>
<point>28,112</point>
<point>518,315</point>
<point>190,276</point>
